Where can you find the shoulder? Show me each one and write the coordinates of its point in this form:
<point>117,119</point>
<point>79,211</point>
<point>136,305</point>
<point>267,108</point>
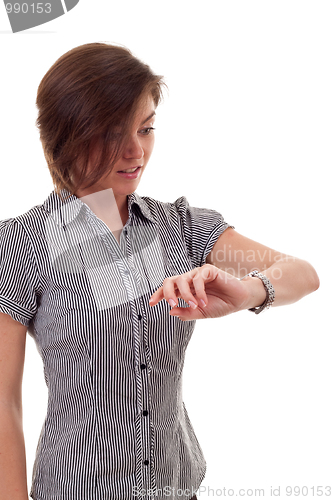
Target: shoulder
<point>13,237</point>
<point>5,224</point>
<point>9,228</point>
<point>24,229</point>
<point>181,213</point>
<point>27,218</point>
<point>181,209</point>
<point>152,201</point>
<point>160,210</point>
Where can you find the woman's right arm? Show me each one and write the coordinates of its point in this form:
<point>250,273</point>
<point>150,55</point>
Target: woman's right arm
<point>13,474</point>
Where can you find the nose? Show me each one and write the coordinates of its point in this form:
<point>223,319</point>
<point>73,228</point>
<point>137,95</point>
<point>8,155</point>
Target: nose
<point>133,148</point>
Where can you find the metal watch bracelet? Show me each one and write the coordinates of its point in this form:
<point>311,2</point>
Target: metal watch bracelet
<point>270,292</point>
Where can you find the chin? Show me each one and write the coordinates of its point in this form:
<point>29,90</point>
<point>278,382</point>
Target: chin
<point>125,191</point>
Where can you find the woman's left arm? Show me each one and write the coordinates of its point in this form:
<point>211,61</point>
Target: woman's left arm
<point>292,278</point>
<point>215,289</point>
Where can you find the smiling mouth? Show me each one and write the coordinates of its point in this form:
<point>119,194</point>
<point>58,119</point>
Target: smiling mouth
<point>130,170</point>
<point>130,173</point>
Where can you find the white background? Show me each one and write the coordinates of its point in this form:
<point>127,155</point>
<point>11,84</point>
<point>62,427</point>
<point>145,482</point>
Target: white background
<point>245,129</point>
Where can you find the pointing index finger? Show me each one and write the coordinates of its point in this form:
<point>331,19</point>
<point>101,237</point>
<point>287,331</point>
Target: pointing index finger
<point>156,297</point>
<point>159,295</point>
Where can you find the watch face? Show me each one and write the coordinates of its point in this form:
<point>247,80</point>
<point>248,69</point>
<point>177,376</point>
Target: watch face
<point>24,15</point>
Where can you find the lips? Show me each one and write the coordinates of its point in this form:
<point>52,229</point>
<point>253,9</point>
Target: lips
<point>130,170</point>
<point>130,175</point>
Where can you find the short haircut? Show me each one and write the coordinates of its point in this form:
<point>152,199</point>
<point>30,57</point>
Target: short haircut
<point>90,94</point>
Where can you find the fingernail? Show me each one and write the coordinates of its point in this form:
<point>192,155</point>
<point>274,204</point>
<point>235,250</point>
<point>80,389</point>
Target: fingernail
<point>192,304</point>
<point>172,302</point>
<point>203,303</point>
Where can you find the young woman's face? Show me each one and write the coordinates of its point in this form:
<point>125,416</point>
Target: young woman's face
<point>136,154</point>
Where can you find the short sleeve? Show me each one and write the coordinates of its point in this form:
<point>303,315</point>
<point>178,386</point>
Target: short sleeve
<point>201,229</point>
<point>18,273</point>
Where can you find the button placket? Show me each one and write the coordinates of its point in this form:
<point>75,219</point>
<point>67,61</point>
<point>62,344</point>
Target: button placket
<point>131,281</point>
<point>124,260</point>
<point>145,416</point>
<point>146,398</point>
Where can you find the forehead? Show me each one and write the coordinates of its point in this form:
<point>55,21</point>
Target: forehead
<point>145,109</point>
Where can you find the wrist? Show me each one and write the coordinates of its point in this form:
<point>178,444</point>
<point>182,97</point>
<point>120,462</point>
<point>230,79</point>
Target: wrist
<point>256,292</point>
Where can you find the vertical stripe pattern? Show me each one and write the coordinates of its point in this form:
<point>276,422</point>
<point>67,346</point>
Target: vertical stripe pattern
<point>116,426</point>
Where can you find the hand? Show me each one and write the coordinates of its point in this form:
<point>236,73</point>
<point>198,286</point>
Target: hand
<point>209,291</point>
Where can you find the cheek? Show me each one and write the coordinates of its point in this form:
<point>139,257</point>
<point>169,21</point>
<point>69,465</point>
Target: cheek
<point>149,147</point>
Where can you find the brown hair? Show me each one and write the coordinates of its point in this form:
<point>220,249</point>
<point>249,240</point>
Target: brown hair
<point>90,96</point>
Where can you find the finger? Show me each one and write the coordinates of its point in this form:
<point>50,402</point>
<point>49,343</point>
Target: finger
<point>156,297</point>
<point>159,294</point>
<point>171,290</point>
<point>187,313</point>
<point>184,286</point>
<point>198,282</point>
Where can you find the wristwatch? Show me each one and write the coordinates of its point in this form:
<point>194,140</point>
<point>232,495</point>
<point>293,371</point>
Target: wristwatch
<point>270,292</point>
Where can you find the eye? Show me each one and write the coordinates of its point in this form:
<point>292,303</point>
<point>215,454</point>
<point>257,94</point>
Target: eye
<point>147,130</point>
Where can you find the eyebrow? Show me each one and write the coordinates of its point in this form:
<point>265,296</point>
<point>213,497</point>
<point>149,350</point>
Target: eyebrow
<point>149,117</point>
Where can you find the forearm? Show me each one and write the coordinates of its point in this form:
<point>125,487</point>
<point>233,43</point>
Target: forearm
<point>291,278</point>
<point>13,474</point>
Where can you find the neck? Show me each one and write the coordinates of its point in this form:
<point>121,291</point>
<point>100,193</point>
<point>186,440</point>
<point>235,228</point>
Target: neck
<point>112,210</point>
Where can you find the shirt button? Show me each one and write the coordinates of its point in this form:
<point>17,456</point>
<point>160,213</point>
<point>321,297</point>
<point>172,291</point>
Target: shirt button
<point>145,413</point>
<point>143,366</point>
<point>139,316</point>
<point>146,462</point>
<point>126,272</point>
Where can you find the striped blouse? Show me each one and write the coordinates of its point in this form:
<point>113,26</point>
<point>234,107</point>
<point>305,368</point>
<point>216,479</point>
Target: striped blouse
<point>116,426</point>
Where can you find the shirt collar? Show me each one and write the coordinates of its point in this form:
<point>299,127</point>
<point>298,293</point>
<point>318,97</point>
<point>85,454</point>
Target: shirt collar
<point>135,199</point>
<point>66,211</point>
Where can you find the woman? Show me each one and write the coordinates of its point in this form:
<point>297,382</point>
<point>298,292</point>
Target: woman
<point>109,284</point>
